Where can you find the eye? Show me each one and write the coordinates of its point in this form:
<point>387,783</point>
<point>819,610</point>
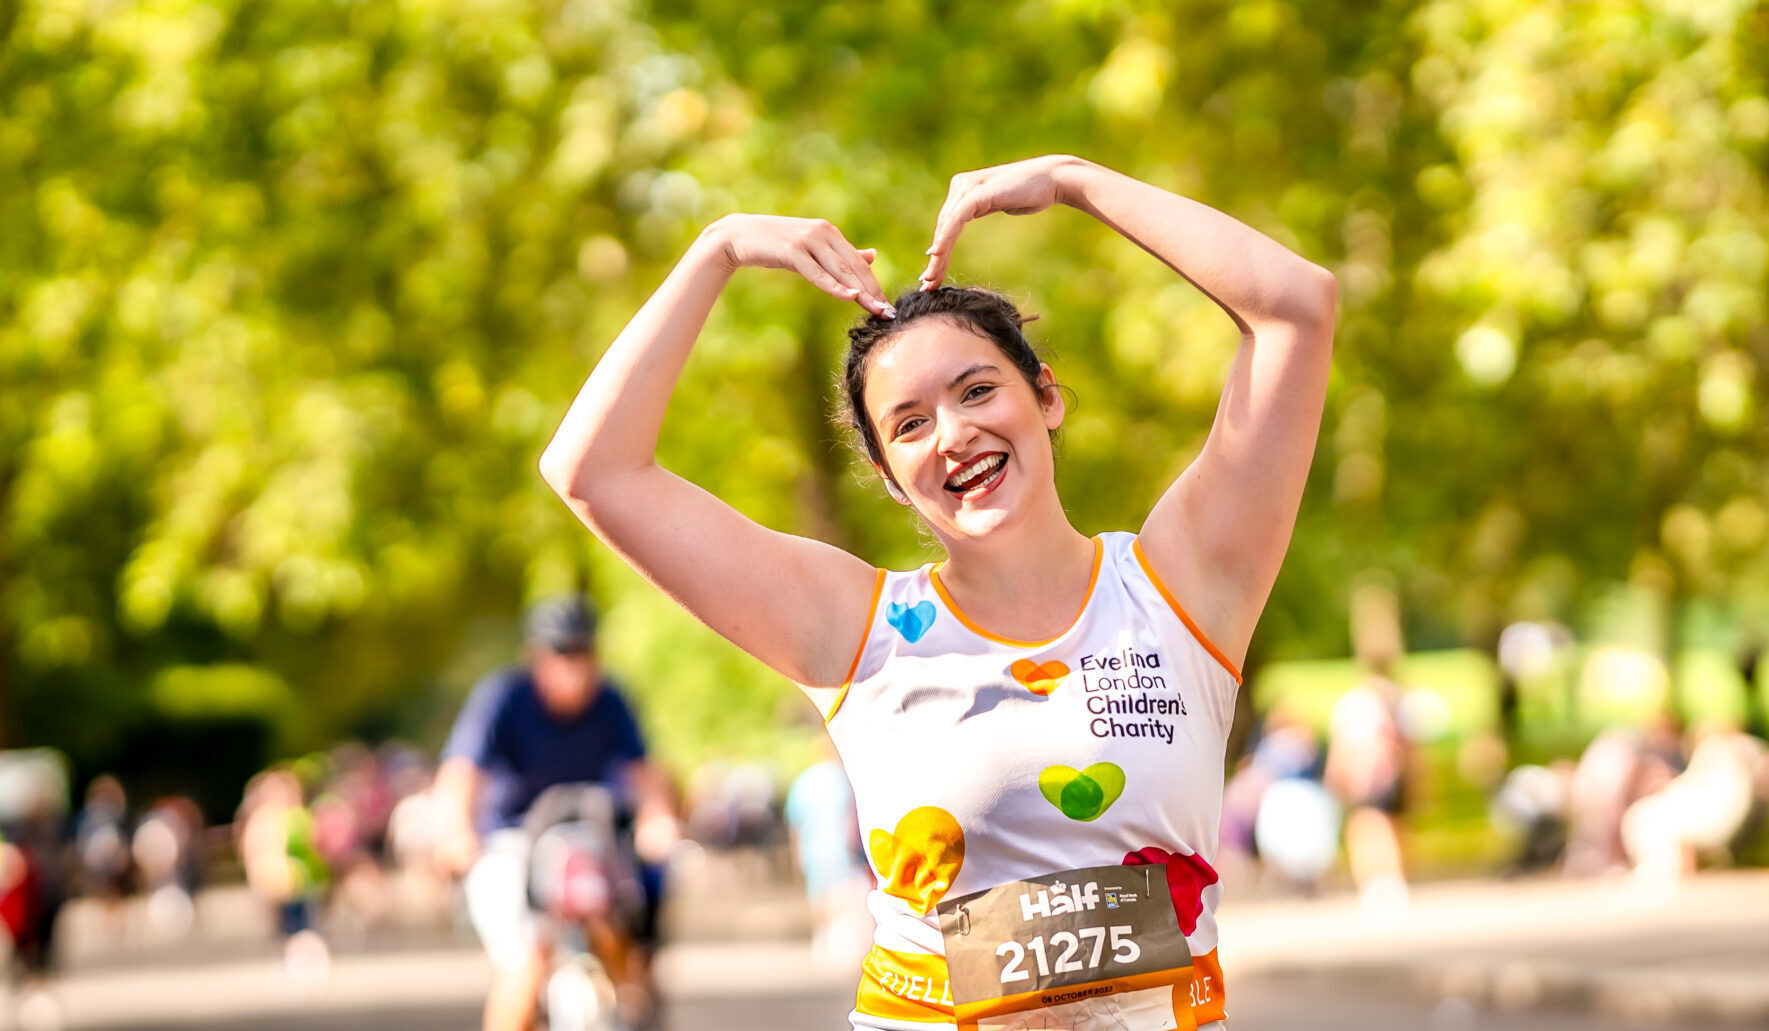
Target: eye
<point>908,426</point>
<point>980,390</point>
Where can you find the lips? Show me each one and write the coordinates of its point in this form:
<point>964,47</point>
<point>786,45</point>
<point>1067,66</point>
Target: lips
<point>977,473</point>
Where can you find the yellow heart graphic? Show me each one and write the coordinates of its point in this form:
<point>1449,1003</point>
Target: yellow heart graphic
<point>1040,679</point>
<point>919,861</point>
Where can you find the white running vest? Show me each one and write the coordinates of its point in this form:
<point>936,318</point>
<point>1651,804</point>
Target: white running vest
<point>978,760</point>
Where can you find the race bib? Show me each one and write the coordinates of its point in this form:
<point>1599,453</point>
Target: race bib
<point>1089,950</point>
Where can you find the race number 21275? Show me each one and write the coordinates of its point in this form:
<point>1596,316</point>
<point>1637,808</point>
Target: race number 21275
<point>1071,951</point>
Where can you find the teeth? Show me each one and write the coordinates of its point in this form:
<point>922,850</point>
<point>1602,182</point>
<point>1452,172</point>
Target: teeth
<point>973,474</point>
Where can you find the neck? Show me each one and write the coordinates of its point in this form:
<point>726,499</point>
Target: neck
<point>1026,581</point>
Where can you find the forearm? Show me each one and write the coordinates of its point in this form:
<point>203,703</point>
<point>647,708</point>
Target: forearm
<point>613,424</point>
<point>455,790</point>
<point>1257,280</point>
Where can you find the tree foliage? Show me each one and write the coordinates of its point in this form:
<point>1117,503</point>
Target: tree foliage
<point>292,293</point>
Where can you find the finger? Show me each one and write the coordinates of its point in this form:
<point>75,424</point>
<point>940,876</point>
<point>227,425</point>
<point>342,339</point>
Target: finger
<point>864,268</point>
<point>957,190</point>
<point>851,271</point>
<point>966,202</point>
<point>956,198</point>
<point>815,274</point>
<point>946,236</point>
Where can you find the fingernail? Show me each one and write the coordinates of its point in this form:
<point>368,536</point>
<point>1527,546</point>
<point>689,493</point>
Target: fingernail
<point>889,312</point>
<point>929,252</point>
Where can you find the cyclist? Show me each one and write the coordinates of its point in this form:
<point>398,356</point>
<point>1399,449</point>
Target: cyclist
<point>555,720</point>
<point>1039,704</point>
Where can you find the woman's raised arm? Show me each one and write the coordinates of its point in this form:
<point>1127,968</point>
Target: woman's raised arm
<point>798,605</point>
<point>1218,535</point>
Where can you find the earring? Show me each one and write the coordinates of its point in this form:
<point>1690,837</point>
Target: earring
<point>896,492</point>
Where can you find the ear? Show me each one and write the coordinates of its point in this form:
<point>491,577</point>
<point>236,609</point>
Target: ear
<point>890,485</point>
<point>1050,398</point>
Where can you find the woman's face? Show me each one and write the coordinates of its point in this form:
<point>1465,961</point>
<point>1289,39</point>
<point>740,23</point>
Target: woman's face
<point>962,432</point>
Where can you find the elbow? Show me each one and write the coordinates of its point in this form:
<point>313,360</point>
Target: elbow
<point>1313,303</point>
<point>1322,306</point>
<point>565,473</point>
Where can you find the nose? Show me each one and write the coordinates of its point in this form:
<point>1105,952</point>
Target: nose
<point>954,432</point>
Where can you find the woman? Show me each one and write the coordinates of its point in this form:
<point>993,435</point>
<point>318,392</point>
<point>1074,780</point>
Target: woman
<point>1040,703</point>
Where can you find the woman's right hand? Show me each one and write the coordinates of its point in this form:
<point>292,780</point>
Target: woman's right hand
<point>811,247</point>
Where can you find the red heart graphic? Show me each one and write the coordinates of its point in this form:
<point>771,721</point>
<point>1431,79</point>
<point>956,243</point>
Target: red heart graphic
<point>1187,877</point>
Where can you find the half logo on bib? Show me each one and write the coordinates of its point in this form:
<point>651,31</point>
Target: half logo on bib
<point>1091,949</point>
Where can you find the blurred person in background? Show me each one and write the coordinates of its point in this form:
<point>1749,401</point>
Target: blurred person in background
<point>1601,789</point>
<point>1698,812</point>
<point>350,829</point>
<point>826,842</point>
<point>1367,752</point>
<point>1366,766</point>
<point>101,850</point>
<point>33,827</point>
<point>34,863</point>
<point>555,720</point>
<point>420,891</point>
<point>276,846</point>
<point>1531,803</point>
<point>169,865</point>
<point>1285,748</point>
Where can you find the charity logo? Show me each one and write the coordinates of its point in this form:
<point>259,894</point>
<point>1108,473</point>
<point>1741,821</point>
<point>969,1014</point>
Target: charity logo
<point>1187,877</point>
<point>918,861</point>
<point>1039,678</point>
<point>911,621</point>
<point>1082,794</point>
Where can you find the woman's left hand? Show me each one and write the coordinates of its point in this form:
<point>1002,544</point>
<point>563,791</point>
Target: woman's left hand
<point>1020,188</point>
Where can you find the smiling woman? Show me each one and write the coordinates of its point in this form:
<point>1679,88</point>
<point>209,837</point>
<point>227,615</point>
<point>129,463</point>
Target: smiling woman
<point>995,751</point>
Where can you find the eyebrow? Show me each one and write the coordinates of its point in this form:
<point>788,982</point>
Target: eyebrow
<point>956,380</point>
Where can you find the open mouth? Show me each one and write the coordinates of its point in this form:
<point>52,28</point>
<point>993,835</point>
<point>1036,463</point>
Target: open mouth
<point>977,475</point>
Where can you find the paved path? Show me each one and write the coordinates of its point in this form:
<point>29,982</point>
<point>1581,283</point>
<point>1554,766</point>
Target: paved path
<point>1518,956</point>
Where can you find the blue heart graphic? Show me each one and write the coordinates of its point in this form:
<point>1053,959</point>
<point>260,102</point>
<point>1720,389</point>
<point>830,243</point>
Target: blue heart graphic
<point>910,621</point>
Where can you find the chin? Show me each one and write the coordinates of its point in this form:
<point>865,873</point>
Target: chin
<point>979,522</point>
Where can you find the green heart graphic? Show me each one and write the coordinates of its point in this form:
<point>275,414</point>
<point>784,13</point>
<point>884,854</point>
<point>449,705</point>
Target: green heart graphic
<point>1082,794</point>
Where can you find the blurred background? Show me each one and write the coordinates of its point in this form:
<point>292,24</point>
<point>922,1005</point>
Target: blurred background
<point>292,293</point>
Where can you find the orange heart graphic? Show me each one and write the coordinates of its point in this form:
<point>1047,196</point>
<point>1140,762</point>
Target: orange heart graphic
<point>1040,679</point>
<point>919,861</point>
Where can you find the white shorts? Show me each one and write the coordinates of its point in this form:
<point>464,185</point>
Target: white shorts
<point>497,901</point>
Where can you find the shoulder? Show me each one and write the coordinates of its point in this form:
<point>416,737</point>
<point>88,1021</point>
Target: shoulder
<point>496,695</point>
<point>499,686</point>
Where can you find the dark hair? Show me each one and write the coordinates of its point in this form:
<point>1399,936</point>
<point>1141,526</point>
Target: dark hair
<point>983,312</point>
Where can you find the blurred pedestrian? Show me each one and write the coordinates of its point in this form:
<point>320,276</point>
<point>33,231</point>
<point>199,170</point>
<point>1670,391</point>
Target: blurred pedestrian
<point>1697,812</point>
<point>166,853</point>
<point>1366,767</point>
<point>826,842</point>
<point>101,850</point>
<point>276,846</point>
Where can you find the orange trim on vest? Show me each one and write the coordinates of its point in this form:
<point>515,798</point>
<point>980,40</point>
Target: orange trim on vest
<point>1099,552</point>
<point>912,986</point>
<point>1179,610</point>
<point>854,667</point>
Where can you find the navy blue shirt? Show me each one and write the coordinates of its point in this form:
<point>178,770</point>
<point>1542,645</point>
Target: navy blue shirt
<point>522,749</point>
